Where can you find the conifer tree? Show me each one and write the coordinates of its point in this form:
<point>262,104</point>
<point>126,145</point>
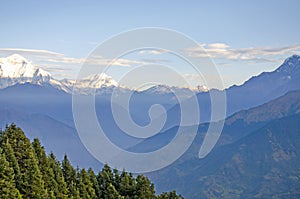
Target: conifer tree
<point>144,188</point>
<point>11,158</point>
<point>47,173</point>
<point>85,185</point>
<point>31,184</point>
<point>127,184</point>
<point>105,179</point>
<point>95,183</point>
<point>70,177</point>
<point>8,189</point>
<point>171,195</point>
<point>61,192</point>
<point>112,193</point>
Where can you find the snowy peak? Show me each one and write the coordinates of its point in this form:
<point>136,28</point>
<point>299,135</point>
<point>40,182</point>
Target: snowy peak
<point>290,65</point>
<point>164,89</point>
<point>99,81</point>
<point>16,66</point>
<point>92,81</point>
<point>15,69</point>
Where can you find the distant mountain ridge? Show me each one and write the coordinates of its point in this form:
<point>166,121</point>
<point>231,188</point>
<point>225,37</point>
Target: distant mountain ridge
<point>16,69</point>
<point>278,108</point>
<point>266,86</point>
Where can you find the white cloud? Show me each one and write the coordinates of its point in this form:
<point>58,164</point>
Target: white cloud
<point>153,52</point>
<point>60,65</point>
<point>58,58</point>
<point>253,54</point>
<point>25,52</point>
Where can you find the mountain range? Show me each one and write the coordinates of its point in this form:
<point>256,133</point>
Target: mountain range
<point>16,69</point>
<point>261,131</point>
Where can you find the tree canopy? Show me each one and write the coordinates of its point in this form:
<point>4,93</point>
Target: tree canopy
<point>26,171</point>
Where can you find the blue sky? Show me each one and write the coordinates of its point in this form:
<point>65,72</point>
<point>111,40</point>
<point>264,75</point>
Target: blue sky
<point>234,32</point>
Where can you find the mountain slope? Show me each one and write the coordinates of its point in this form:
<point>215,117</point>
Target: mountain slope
<point>254,92</point>
<point>264,164</point>
<point>265,87</point>
<point>55,136</point>
<point>255,157</point>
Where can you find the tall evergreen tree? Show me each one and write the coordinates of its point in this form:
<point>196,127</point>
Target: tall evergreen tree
<point>70,177</point>
<point>105,179</point>
<point>11,158</point>
<point>171,195</point>
<point>8,189</point>
<point>127,184</point>
<point>85,185</point>
<point>144,188</point>
<point>61,192</point>
<point>31,184</point>
<point>112,193</point>
<point>47,173</point>
<point>94,181</point>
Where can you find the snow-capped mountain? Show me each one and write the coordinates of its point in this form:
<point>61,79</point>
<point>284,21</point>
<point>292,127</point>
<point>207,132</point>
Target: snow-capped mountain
<point>16,69</point>
<point>290,65</point>
<point>16,66</point>
<point>182,91</point>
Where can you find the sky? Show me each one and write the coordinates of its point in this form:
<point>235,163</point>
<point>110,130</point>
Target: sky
<point>242,38</point>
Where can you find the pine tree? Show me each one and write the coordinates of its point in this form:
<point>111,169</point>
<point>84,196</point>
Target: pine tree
<point>171,195</point>
<point>8,189</point>
<point>61,192</point>
<point>112,193</point>
<point>47,173</point>
<point>85,185</point>
<point>70,177</point>
<point>144,188</point>
<point>11,158</point>
<point>95,183</point>
<point>105,179</point>
<point>127,184</point>
<point>30,183</point>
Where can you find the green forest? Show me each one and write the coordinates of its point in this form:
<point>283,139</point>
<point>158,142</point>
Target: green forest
<point>27,172</point>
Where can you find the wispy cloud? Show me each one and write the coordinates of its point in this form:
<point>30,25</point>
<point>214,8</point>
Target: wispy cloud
<point>152,52</point>
<point>60,64</point>
<point>29,52</point>
<point>256,54</point>
<point>54,57</point>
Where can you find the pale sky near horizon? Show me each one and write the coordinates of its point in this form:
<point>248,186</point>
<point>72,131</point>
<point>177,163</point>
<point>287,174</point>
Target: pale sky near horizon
<point>243,38</point>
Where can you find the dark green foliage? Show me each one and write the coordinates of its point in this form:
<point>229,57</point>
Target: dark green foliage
<point>51,185</point>
<point>7,185</point>
<point>144,188</point>
<point>127,184</point>
<point>94,181</point>
<point>27,172</point>
<point>70,176</point>
<point>85,185</point>
<point>61,192</point>
<point>171,195</point>
<point>30,182</point>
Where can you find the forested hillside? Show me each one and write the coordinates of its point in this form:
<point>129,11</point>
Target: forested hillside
<point>27,172</point>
